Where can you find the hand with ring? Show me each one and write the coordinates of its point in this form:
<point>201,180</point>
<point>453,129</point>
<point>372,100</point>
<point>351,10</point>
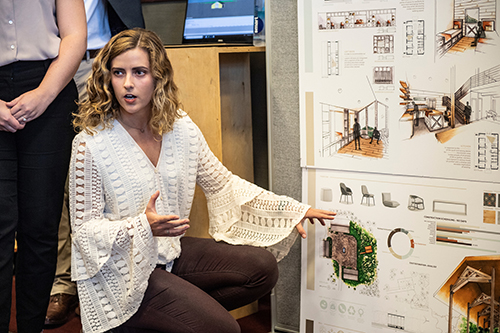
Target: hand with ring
<point>164,225</point>
<point>8,122</point>
<point>30,105</point>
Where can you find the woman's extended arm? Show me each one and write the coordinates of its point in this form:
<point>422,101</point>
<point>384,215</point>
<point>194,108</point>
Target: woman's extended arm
<point>242,213</point>
<point>73,32</point>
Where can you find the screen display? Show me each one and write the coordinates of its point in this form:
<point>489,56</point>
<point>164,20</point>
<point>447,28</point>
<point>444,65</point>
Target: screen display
<point>222,21</point>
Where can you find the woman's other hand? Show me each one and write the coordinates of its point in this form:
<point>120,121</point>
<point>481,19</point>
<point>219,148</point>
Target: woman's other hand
<point>311,214</point>
<point>8,122</point>
<point>164,225</point>
<point>73,32</point>
<point>29,105</point>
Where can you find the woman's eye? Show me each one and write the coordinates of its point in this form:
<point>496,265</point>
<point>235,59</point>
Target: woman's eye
<point>117,73</point>
<point>140,72</point>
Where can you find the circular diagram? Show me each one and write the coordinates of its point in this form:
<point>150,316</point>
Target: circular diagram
<point>410,237</point>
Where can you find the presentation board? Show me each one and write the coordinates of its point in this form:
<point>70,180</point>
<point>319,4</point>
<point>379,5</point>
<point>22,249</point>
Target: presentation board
<point>400,130</point>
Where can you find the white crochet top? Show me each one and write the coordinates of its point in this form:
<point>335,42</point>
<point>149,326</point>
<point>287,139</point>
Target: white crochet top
<point>111,181</point>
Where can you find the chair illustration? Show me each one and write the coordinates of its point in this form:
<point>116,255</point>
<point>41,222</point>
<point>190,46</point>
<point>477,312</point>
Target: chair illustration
<point>386,200</point>
<point>415,202</point>
<point>368,196</point>
<point>345,192</point>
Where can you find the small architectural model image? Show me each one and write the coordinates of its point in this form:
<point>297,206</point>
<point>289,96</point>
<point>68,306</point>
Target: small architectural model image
<point>353,251</point>
<point>388,202</point>
<point>472,291</point>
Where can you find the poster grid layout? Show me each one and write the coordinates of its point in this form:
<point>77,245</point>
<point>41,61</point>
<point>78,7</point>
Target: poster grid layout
<point>400,128</point>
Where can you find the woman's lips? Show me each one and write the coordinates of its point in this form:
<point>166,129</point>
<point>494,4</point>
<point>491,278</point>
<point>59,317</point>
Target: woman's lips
<point>129,98</point>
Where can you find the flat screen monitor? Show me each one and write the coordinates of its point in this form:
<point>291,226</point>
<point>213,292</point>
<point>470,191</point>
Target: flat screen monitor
<point>224,21</point>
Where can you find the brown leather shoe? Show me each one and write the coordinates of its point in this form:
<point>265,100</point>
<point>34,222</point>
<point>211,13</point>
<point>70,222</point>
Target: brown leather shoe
<point>60,308</point>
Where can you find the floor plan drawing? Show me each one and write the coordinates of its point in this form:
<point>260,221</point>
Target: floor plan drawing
<point>331,58</point>
<point>383,44</point>
<point>487,151</point>
<point>414,37</point>
<point>411,288</point>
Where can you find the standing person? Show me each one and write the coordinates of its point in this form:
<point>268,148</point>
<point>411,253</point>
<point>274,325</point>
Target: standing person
<point>357,134</point>
<point>447,115</point>
<point>133,172</point>
<point>467,113</point>
<point>479,33</point>
<point>104,18</point>
<point>41,44</point>
<point>416,113</point>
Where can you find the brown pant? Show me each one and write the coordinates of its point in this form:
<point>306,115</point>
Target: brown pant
<point>207,280</point>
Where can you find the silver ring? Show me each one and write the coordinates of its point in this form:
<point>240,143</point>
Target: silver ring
<point>24,119</point>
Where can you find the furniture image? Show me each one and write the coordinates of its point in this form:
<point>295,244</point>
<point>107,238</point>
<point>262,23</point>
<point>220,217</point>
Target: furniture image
<point>489,25</point>
<point>415,202</point>
<point>446,40</point>
<point>386,200</point>
<point>326,194</point>
<point>368,196</point>
<point>345,192</point>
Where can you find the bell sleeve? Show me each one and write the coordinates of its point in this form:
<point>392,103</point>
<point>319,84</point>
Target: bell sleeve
<point>112,258</point>
<point>243,213</point>
<point>125,245</point>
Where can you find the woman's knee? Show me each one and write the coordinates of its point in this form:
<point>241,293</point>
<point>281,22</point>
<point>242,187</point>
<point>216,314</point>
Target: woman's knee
<point>229,326</point>
<point>265,263</point>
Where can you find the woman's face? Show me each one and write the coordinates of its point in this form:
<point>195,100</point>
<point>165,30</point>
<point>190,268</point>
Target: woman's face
<point>133,82</point>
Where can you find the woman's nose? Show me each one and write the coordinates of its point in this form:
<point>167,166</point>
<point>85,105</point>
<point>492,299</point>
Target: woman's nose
<point>128,83</point>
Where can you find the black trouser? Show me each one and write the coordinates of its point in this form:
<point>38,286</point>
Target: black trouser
<point>357,142</point>
<point>207,280</point>
<point>33,167</point>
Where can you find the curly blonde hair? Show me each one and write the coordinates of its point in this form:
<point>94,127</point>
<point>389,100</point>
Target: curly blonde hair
<point>101,107</point>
